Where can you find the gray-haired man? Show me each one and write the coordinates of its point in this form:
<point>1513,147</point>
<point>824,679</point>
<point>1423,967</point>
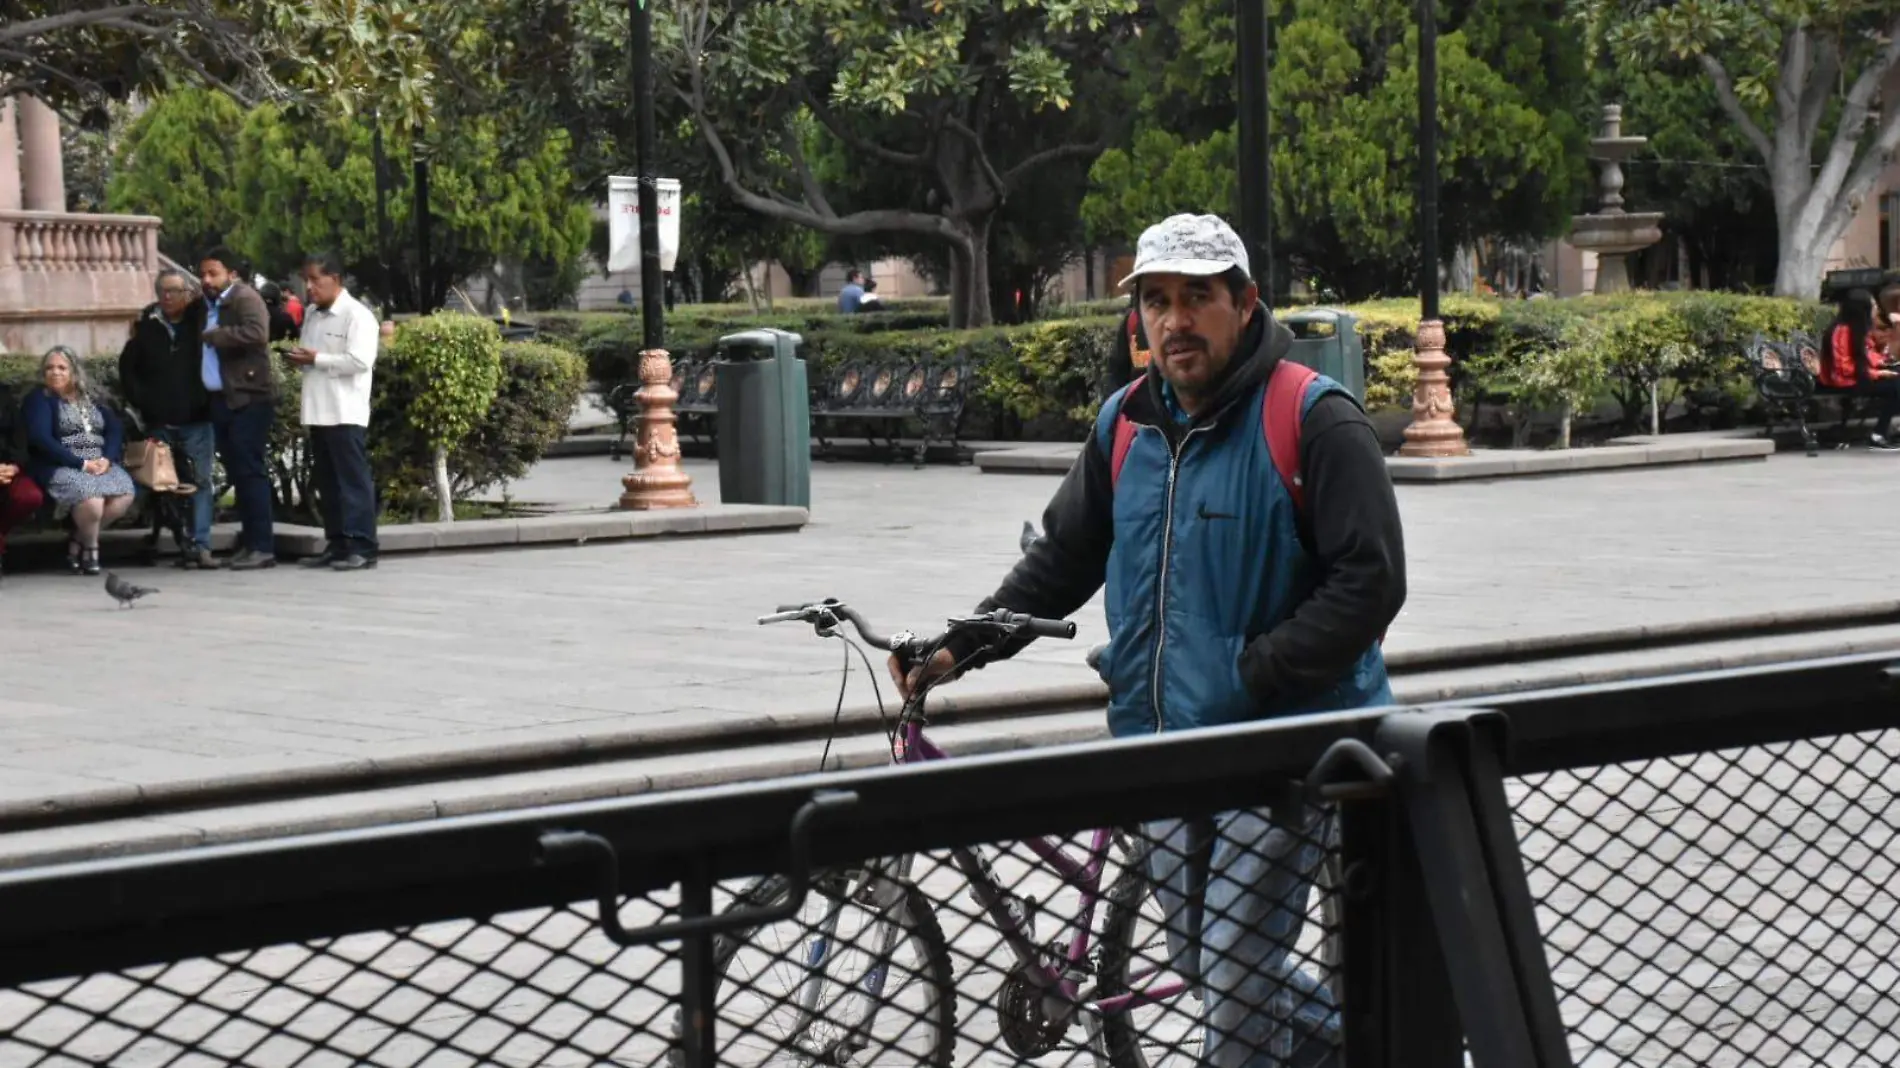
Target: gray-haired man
<point>159,378</point>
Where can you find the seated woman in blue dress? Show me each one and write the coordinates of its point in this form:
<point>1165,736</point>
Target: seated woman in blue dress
<point>75,451</point>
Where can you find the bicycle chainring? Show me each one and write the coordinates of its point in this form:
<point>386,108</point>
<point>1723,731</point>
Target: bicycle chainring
<point>1020,1014</point>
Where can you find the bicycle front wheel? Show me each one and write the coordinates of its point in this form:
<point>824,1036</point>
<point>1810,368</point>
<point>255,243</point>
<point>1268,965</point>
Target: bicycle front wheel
<point>860,976</point>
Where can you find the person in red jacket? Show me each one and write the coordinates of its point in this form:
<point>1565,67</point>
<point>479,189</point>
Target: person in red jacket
<point>1853,361</point>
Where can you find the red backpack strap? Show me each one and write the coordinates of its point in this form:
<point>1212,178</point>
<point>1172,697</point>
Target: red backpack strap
<point>1281,413</point>
<point>1124,433</point>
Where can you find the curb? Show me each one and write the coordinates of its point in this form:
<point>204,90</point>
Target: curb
<point>477,796</point>
<point>540,754</point>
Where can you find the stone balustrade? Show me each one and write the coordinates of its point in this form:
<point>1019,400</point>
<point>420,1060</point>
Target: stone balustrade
<point>57,241</point>
<point>72,279</point>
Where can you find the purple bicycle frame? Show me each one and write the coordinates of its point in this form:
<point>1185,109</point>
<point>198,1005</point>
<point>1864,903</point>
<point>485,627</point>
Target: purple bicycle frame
<point>1085,875</point>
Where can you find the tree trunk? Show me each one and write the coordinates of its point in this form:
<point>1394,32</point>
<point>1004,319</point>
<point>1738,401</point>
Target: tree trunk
<point>959,287</point>
<point>970,276</point>
<point>444,496</point>
<point>1563,428</point>
<point>1798,268</point>
<point>751,291</point>
<point>1463,276</point>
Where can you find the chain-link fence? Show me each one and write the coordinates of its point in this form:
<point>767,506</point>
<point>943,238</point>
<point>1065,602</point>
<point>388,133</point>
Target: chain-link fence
<point>1148,946</point>
<point>1211,898</point>
<point>1728,908</point>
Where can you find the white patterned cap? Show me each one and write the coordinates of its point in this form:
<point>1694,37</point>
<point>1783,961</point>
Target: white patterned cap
<point>1189,244</point>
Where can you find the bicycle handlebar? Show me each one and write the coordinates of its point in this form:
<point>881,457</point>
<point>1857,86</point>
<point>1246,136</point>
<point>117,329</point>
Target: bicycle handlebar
<point>830,610</point>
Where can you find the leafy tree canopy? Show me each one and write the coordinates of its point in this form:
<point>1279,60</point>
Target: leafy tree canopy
<point>964,100</point>
<point>278,189</point>
<point>1344,112</point>
<point>1800,81</point>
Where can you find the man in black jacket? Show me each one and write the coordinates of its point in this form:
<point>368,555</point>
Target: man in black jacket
<point>160,377</point>
<point>1238,507</point>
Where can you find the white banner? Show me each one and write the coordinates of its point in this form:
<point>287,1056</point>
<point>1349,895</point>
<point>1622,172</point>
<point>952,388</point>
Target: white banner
<point>623,222</point>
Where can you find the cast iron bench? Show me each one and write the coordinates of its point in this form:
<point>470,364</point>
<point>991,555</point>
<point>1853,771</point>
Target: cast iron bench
<point>1788,380</point>
<point>888,399</point>
<point>929,393</point>
<point>698,404</point>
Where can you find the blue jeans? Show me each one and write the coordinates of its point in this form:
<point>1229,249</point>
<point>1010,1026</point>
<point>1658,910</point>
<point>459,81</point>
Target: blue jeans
<point>1233,890</point>
<point>195,441</point>
<point>244,442</point>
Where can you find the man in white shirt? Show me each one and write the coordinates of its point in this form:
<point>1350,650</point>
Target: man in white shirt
<point>337,352</point>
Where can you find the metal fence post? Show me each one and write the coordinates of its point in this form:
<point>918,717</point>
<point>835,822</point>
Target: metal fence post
<point>1475,893</point>
<point>699,979</point>
<point>1397,1011</point>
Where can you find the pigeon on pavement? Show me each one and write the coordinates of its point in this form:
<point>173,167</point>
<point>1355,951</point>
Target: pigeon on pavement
<point>124,592</point>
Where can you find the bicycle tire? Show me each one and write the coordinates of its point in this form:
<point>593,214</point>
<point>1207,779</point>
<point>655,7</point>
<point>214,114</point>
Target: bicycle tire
<point>1119,1046</point>
<point>921,927</point>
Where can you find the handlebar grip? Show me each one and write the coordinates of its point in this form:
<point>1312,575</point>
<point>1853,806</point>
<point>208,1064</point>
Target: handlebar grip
<point>1050,628</point>
<point>790,608</point>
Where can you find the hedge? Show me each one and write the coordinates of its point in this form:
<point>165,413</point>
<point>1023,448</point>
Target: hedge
<point>540,385</point>
<point>1529,356</point>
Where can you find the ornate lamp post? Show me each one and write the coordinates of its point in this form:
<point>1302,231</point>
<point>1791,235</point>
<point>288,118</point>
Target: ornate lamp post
<point>657,480</point>
<point>1433,430</point>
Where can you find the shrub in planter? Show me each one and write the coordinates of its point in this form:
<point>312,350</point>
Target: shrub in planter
<point>293,482</point>
<point>1054,370</point>
<point>434,380</point>
<point>540,385</point>
<point>1391,377</point>
<point>1549,360</point>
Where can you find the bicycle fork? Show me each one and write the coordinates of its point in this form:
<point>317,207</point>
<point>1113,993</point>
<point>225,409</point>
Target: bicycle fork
<point>884,891</point>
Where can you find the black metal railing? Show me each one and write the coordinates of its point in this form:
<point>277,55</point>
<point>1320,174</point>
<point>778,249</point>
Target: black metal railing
<point>1686,871</point>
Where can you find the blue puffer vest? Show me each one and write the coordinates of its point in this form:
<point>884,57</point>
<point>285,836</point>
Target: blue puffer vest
<point>1207,556</point>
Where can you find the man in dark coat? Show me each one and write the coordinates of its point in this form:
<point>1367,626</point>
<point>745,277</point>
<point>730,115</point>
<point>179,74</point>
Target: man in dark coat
<point>161,379</point>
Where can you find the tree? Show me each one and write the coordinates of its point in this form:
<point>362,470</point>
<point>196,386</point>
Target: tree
<point>307,186</point>
<point>1344,112</point>
<point>178,160</point>
<point>277,189</point>
<point>1159,175</point>
<point>1800,79</point>
<point>78,54</point>
<point>917,89</point>
<point>1697,170</point>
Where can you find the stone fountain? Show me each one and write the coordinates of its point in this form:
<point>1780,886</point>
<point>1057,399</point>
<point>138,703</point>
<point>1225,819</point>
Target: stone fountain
<point>1612,233</point>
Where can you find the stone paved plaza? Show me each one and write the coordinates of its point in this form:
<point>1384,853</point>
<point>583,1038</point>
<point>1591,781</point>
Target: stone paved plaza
<point>225,674</point>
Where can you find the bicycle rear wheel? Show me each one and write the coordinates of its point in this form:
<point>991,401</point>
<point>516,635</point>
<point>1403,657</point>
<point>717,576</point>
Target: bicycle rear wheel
<point>860,976</point>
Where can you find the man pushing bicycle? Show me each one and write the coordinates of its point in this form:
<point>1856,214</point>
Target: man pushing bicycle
<point>1238,508</point>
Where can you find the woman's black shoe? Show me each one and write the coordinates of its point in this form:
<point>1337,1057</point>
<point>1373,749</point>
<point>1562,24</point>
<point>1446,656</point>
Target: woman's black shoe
<point>89,561</point>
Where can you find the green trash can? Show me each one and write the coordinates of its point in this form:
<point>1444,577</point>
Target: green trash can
<point>1327,340</point>
<point>764,419</point>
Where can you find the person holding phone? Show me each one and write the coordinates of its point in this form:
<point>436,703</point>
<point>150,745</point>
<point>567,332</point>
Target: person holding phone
<point>236,370</point>
<point>337,351</point>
